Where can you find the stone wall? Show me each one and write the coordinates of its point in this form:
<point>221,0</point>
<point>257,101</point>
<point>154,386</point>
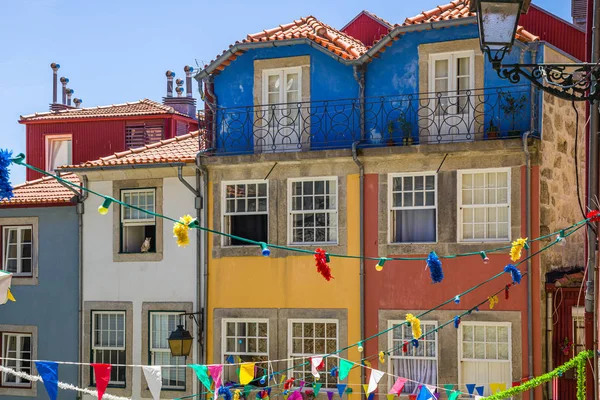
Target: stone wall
<point>558,186</point>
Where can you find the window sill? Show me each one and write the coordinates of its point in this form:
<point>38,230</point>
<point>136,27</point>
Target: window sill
<point>21,391</point>
<point>24,280</point>
<point>137,257</point>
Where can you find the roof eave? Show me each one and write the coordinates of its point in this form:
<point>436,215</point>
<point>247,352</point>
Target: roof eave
<point>125,166</point>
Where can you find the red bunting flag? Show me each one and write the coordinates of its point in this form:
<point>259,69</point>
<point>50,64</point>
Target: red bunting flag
<point>102,376</point>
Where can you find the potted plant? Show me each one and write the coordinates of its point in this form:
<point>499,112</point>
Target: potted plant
<point>512,107</point>
<point>492,131</point>
<point>405,128</point>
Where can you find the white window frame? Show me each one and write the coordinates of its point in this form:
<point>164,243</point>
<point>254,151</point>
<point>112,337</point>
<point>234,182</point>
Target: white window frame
<point>224,336</point>
<point>149,220</point>
<point>20,382</point>
<point>291,212</point>
<point>19,228</point>
<point>390,345</point>
<point>452,74</point>
<point>459,204</point>
<point>391,207</point>
<point>282,72</point>
<point>153,351</point>
<point>51,138</point>
<point>225,214</point>
<point>293,357</point>
<point>107,348</point>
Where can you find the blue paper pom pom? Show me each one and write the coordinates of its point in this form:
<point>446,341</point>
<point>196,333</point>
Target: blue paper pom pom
<point>415,343</point>
<point>435,267</point>
<point>457,299</point>
<point>6,190</point>
<point>456,321</point>
<point>514,272</point>
<point>225,393</point>
<point>263,380</point>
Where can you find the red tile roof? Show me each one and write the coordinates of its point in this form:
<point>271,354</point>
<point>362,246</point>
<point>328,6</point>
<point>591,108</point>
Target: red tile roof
<point>137,108</point>
<point>337,42</point>
<point>455,10</point>
<point>42,191</point>
<point>176,150</point>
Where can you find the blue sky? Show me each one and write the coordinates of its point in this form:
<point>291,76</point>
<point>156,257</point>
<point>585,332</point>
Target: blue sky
<point>117,51</point>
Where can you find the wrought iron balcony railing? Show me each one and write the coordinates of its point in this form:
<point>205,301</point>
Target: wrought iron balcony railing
<point>399,120</point>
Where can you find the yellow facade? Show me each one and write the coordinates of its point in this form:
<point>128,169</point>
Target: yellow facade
<point>289,282</point>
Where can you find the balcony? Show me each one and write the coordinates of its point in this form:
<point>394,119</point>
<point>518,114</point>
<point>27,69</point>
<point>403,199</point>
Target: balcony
<point>399,120</point>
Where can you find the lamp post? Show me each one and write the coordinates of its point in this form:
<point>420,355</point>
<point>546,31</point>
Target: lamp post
<point>498,23</point>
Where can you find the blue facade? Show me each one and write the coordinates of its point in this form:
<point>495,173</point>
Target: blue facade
<point>396,110</point>
<point>52,304</point>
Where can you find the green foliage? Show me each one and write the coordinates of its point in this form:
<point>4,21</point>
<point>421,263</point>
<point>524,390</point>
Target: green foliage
<point>577,362</point>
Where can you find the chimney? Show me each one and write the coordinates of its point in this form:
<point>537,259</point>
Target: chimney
<point>579,12</point>
<point>183,104</point>
<point>77,102</point>
<point>179,88</point>
<point>55,68</point>
<point>69,93</point>
<point>170,75</point>
<point>64,82</point>
<point>188,80</point>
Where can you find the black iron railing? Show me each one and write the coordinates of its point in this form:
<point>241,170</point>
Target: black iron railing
<point>399,120</point>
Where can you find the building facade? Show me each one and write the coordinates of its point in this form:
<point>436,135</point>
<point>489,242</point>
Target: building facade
<point>40,247</point>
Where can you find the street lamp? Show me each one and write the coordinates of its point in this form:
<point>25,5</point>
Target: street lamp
<point>180,342</point>
<point>498,22</point>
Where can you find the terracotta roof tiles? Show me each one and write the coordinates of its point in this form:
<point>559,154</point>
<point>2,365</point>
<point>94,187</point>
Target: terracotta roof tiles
<point>137,108</point>
<point>42,191</point>
<point>178,149</point>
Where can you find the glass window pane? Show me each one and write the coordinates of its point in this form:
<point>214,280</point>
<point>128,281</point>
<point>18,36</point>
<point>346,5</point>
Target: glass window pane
<point>441,68</point>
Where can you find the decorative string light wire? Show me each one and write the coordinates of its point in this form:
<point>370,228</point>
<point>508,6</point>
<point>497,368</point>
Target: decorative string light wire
<point>19,160</point>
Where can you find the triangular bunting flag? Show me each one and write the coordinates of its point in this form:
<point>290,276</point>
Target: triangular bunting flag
<point>371,396</point>
<point>153,375</point>
<point>448,388</point>
<point>390,396</point>
<point>470,388</point>
<point>398,386</point>
<point>48,370</point>
<point>345,367</point>
<point>317,388</point>
<point>301,384</point>
<point>315,362</point>
<point>101,376</point>
<point>431,389</point>
<point>424,394</point>
<point>516,383</point>
<point>365,388</point>
<point>5,280</point>
<point>247,390</point>
<point>246,373</point>
<point>501,387</point>
<point>374,379</point>
<point>202,374</point>
<point>341,387</point>
<point>215,371</point>
<point>329,395</point>
<point>10,295</point>
<point>230,359</point>
<point>493,387</point>
<point>479,390</point>
<point>282,379</point>
<point>296,395</point>
<point>454,395</point>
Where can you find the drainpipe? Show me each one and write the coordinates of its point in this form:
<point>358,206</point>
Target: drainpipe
<point>359,76</point>
<point>202,181</point>
<point>529,277</point>
<point>549,327</point>
<point>80,211</point>
<point>361,169</point>
<point>198,206</point>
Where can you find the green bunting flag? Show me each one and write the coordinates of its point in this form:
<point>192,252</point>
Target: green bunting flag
<point>247,390</point>
<point>345,367</point>
<point>454,395</point>
<point>202,374</point>
<point>317,388</point>
<point>448,388</point>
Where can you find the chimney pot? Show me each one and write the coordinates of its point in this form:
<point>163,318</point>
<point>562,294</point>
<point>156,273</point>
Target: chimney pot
<point>69,93</point>
<point>77,102</point>
<point>188,80</point>
<point>55,68</point>
<point>170,75</point>
<point>64,82</point>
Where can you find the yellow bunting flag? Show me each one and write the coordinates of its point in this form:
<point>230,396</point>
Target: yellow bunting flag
<point>366,389</point>
<point>10,296</point>
<point>282,379</point>
<point>390,396</point>
<point>246,373</point>
<point>497,387</point>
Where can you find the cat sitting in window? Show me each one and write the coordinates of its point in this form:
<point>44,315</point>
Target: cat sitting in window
<point>146,245</point>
